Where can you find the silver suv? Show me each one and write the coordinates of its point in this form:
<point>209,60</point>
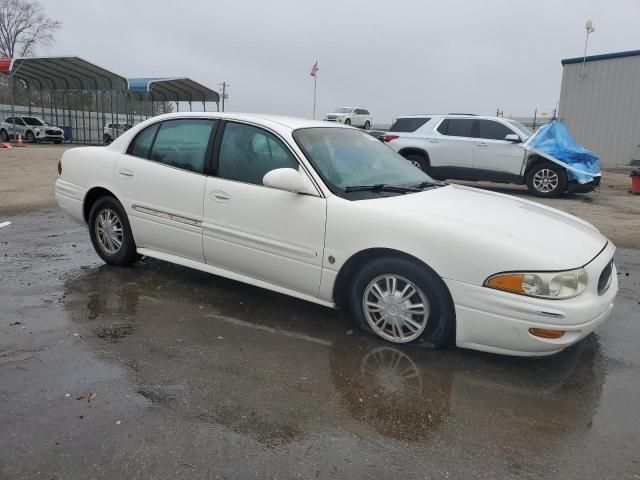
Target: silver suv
<point>478,148</point>
<point>31,129</point>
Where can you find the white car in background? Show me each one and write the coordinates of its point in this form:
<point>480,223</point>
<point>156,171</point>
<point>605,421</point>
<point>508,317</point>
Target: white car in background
<point>478,148</point>
<point>329,214</point>
<point>31,129</point>
<point>357,117</point>
<point>113,131</point>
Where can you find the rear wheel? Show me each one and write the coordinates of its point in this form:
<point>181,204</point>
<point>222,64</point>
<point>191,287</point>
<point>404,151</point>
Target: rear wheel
<point>4,136</point>
<point>402,302</point>
<point>110,232</point>
<point>546,179</point>
<point>367,125</point>
<point>57,142</point>
<point>347,121</point>
<point>106,139</point>
<point>418,160</point>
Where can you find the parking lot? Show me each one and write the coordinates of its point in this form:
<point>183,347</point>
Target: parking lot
<point>159,371</point>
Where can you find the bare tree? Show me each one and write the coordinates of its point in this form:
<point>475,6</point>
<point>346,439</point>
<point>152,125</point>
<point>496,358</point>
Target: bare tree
<point>24,26</point>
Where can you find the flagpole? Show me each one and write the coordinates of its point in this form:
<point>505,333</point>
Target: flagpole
<point>315,79</point>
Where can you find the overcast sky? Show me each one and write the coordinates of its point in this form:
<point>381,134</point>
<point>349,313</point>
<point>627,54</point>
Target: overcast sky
<point>393,57</point>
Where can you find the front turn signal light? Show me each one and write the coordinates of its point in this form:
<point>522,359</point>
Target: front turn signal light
<point>546,332</point>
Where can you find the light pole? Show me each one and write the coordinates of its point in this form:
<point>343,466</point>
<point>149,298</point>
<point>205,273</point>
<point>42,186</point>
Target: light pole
<point>589,28</point>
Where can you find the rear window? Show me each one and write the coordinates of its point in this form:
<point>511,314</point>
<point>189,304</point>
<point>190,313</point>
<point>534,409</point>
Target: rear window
<point>408,124</point>
<point>456,127</point>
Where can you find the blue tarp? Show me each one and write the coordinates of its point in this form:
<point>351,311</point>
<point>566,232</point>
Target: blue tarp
<point>554,142</point>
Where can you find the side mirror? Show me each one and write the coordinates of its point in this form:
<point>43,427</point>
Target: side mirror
<point>287,179</point>
<point>512,137</point>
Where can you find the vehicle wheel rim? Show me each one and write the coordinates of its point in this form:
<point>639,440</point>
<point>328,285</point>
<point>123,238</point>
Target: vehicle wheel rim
<point>109,232</point>
<point>545,180</point>
<point>395,308</point>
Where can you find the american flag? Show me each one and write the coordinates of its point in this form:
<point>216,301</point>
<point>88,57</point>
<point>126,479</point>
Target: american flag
<point>314,70</point>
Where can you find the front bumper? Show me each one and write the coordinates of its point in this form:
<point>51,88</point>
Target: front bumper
<point>42,135</point>
<point>499,322</point>
<point>575,187</point>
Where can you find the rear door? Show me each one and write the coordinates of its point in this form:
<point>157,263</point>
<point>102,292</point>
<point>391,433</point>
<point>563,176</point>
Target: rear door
<point>493,156</point>
<point>162,181</point>
<point>450,148</point>
<point>264,233</point>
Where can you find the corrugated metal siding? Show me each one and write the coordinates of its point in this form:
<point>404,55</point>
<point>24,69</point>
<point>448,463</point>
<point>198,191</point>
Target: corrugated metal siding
<point>602,111</point>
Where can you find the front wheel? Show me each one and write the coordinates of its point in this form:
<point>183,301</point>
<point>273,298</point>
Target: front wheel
<point>110,232</point>
<point>30,137</point>
<point>547,179</point>
<point>419,161</point>
<point>367,125</point>
<point>106,139</point>
<point>402,301</point>
<point>57,142</point>
<point>347,121</point>
<point>4,136</point>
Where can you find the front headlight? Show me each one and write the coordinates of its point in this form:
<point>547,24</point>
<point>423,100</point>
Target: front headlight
<point>549,285</point>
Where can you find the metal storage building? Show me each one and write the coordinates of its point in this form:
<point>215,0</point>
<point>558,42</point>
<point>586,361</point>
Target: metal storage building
<point>600,104</point>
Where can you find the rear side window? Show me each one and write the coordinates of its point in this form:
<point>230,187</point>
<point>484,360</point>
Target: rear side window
<point>182,144</point>
<point>408,124</point>
<point>365,112</point>
<point>142,143</point>
<point>456,127</point>
<point>492,130</point>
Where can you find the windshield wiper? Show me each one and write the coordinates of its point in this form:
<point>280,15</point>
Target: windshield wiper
<point>431,183</point>
<point>380,187</point>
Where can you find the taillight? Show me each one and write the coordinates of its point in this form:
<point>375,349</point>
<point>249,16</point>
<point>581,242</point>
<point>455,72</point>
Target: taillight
<point>388,138</point>
<point>59,167</point>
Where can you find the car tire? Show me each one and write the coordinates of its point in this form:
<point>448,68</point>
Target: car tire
<point>367,125</point>
<point>347,121</point>
<point>57,142</point>
<point>29,137</point>
<point>433,327</point>
<point>546,179</point>
<point>418,160</point>
<point>108,226</point>
<point>4,136</point>
<point>106,139</point>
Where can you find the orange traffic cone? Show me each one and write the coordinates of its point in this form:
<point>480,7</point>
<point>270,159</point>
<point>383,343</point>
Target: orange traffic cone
<point>20,142</point>
<point>5,145</point>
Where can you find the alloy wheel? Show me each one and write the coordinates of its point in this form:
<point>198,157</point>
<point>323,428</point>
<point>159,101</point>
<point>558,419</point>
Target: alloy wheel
<point>109,231</point>
<point>395,308</point>
<point>545,180</point>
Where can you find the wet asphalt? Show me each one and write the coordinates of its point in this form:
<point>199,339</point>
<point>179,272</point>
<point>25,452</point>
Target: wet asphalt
<point>158,371</point>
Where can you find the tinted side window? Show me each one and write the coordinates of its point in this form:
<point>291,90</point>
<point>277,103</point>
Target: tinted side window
<point>365,112</point>
<point>357,111</point>
<point>9,120</point>
<point>247,153</point>
<point>408,124</point>
<point>456,127</point>
<point>142,143</point>
<point>492,130</point>
<point>19,121</point>
<point>182,143</point>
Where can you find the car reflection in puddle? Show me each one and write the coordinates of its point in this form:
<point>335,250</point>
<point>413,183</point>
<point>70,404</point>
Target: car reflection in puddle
<point>211,350</point>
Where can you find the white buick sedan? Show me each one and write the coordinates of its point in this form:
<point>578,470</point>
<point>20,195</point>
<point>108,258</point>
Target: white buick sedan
<point>329,214</point>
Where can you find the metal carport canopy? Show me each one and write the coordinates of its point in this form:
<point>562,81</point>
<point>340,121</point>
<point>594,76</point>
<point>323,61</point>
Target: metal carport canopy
<point>174,89</point>
<point>66,73</point>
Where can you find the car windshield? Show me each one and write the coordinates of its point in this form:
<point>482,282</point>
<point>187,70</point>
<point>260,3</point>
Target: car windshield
<point>349,158</point>
<point>522,128</point>
<point>343,110</point>
<point>33,121</point>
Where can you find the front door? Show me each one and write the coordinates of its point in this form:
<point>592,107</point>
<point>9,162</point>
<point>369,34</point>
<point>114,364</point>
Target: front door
<point>264,233</point>
<point>161,179</point>
<point>493,156</point>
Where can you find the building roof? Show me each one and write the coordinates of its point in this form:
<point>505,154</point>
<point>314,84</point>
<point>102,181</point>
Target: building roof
<point>63,73</point>
<point>606,56</point>
<point>178,89</point>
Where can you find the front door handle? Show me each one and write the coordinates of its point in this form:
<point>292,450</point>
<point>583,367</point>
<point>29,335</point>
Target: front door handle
<point>482,144</point>
<point>220,196</point>
<point>433,141</point>
<point>125,172</point>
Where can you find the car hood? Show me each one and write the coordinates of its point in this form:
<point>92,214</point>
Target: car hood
<point>557,239</point>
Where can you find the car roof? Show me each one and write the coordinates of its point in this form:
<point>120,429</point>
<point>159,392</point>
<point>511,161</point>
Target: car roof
<point>461,115</point>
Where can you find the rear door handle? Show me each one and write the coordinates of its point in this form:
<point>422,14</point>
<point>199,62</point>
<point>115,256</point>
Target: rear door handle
<point>434,141</point>
<point>482,145</point>
<point>220,196</point>
<point>125,172</point>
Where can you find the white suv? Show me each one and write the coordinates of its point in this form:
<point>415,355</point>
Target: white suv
<point>477,148</point>
<point>357,117</point>
<point>31,129</point>
<point>113,131</point>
